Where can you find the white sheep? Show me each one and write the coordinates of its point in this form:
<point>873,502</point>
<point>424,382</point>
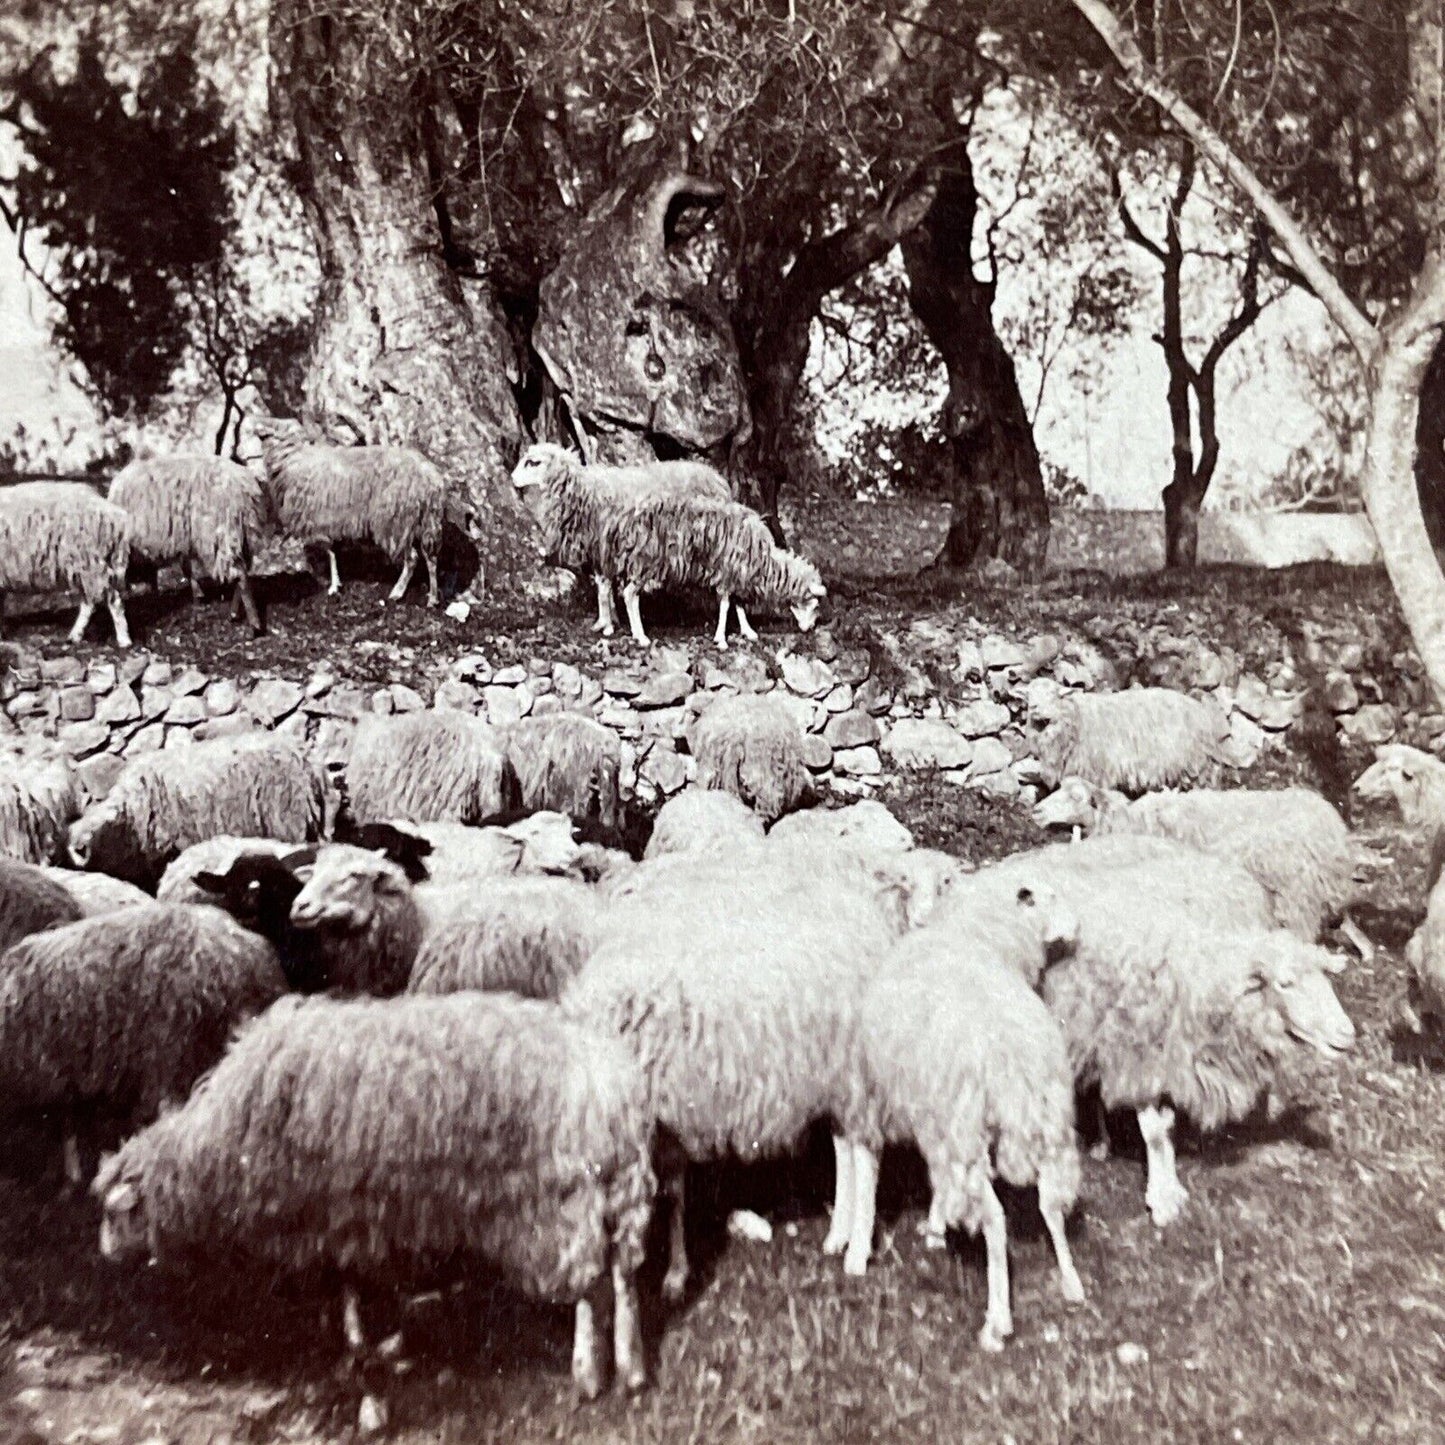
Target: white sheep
<point>253,785</point>
<point>750,745</point>
<point>1144,738</point>
<point>572,499</point>
<point>1290,839</point>
<point>866,821</point>
<point>703,821</point>
<point>1413,779</point>
<point>650,542</point>
<point>203,512</point>
<point>1425,953</point>
<point>392,497</point>
<point>62,536</point>
<point>458,853</point>
<point>381,1139</point>
<point>429,767</point>
<point>39,800</point>
<point>97,893</point>
<point>567,763</point>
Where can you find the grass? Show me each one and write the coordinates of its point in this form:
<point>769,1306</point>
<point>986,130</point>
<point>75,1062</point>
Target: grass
<point>1300,1300</point>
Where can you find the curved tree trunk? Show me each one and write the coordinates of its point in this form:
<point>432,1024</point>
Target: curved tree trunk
<point>999,507</point>
<point>401,351</point>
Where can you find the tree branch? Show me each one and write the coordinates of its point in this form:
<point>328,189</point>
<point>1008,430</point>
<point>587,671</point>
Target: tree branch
<point>1132,229</point>
<point>1143,78</point>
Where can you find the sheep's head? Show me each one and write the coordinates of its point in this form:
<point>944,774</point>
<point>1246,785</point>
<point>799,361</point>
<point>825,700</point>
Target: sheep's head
<point>125,1221</point>
<point>100,840</point>
<point>1072,805</point>
<point>1290,975</point>
<point>1407,775</point>
<point>543,463</point>
<point>408,850</point>
<point>345,889</point>
<point>548,843</point>
<point>258,889</point>
<point>805,612</point>
<point>924,878</point>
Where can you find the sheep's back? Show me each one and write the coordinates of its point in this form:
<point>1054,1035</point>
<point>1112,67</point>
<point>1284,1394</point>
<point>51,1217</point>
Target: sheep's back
<point>199,508</point>
<point>38,802</point>
<point>31,901</point>
<point>56,536</point>
<point>428,768</point>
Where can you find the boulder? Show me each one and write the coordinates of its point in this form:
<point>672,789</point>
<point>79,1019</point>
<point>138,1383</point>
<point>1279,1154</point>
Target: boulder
<point>924,743</point>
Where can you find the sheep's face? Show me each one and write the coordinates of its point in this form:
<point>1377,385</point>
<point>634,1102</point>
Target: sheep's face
<point>125,1224</point>
<point>1402,773</point>
<point>1057,924</point>
<point>926,878</point>
<point>1288,974</point>
<point>101,842</point>
<point>805,613</point>
<point>345,889</point>
<point>258,889</point>
<point>540,464</point>
<point>1070,806</point>
<point>548,843</point>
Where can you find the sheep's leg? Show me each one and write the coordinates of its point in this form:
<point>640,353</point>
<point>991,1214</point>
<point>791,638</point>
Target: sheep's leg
<point>1102,1146</point>
<point>116,605</point>
<point>1355,936</point>
<point>744,626</point>
<point>674,1283</point>
<point>335,586</point>
<point>934,1227</point>
<point>244,599</point>
<point>720,636</point>
<point>1051,1206</point>
<point>82,619</point>
<point>351,1326</point>
<point>865,1207</point>
<point>998,1322</point>
<point>840,1228</point>
<point>589,1372</point>
<point>606,622</point>
<point>631,599</point>
<point>433,592</point>
<point>197,595</point>
<point>627,1352</point>
<point>1163,1193</point>
<point>404,581</point>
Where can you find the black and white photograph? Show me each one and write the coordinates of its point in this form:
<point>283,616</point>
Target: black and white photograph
<point>722,722</point>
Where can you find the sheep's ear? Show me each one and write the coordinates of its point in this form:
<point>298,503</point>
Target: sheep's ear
<point>304,871</point>
<point>211,882</point>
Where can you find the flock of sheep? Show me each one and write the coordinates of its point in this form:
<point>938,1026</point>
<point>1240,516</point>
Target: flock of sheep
<point>431,1009</point>
<point>669,525</point>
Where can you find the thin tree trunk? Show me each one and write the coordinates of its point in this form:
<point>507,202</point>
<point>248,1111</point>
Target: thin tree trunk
<point>999,507</point>
<point>399,353</point>
<point>1182,497</point>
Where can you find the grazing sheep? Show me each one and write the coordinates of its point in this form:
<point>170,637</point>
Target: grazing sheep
<point>866,822</point>
<point>59,537</point>
<point>703,821</point>
<point>30,901</point>
<point>97,893</point>
<point>255,785</point>
<point>736,986</point>
<point>572,500</point>
<point>527,936</point>
<point>567,763</point>
<point>656,539</point>
<point>1425,953</point>
<point>392,497</point>
<point>429,767</point>
<point>201,511</point>
<point>751,746</point>
<point>962,1058</point>
<point>385,1139</point>
<point>129,1008</point>
<point>1290,839</point>
<point>1147,737</point>
<point>38,800</point>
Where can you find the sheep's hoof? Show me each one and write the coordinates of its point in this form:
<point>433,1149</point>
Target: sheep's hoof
<point>933,1240</point>
<point>1072,1289</point>
<point>371,1418</point>
<point>1099,1151</point>
<point>674,1286</point>
<point>992,1336</point>
<point>1166,1205</point>
<point>834,1243</point>
<point>332,591</point>
<point>855,1264</point>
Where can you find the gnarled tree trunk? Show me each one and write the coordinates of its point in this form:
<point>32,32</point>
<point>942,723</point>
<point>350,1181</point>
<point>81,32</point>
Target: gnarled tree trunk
<point>402,351</point>
<point>999,507</point>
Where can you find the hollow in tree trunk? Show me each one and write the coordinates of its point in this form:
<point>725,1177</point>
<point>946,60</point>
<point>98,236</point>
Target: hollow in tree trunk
<point>999,507</point>
<point>401,352</point>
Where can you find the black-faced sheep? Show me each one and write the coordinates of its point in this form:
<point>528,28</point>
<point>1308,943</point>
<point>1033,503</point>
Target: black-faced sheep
<point>210,857</point>
<point>567,763</point>
<point>256,785</point>
<point>751,746</point>
<point>30,900</point>
<point>129,1008</point>
<point>59,537</point>
<point>429,767</point>
<point>384,1139</point>
<point>1144,738</point>
<point>38,800</point>
<point>392,497</point>
<point>204,512</point>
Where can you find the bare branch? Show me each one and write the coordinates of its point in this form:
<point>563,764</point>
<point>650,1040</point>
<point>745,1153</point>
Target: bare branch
<point>1132,229</point>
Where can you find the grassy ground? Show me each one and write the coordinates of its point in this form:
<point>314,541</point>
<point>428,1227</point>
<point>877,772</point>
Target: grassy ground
<point>1301,1299</point>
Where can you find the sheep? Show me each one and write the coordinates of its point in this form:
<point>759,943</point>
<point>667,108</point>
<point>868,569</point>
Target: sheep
<point>568,763</point>
<point>962,1058</point>
<point>572,500</point>
<point>700,821</point>
<point>392,497</point>
<point>751,746</point>
<point>429,767</point>
<point>129,1007</point>
<point>61,536</point>
<point>459,853</point>
<point>383,1139</point>
<point>1159,1002</point>
<point>524,935</point>
<point>30,901</point>
<point>178,884</point>
<point>736,985</point>
<point>202,511</point>
<point>257,785</point>
<point>866,821</point>
<point>1290,839</point>
<point>96,893</point>
<point>39,800</point>
<point>1147,737</point>
<point>1425,953</point>
<point>1415,780</point>
<point>657,538</point>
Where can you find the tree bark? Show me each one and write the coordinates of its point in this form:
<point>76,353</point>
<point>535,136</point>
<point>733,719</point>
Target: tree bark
<point>1430,448</point>
<point>401,352</point>
<point>999,507</point>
